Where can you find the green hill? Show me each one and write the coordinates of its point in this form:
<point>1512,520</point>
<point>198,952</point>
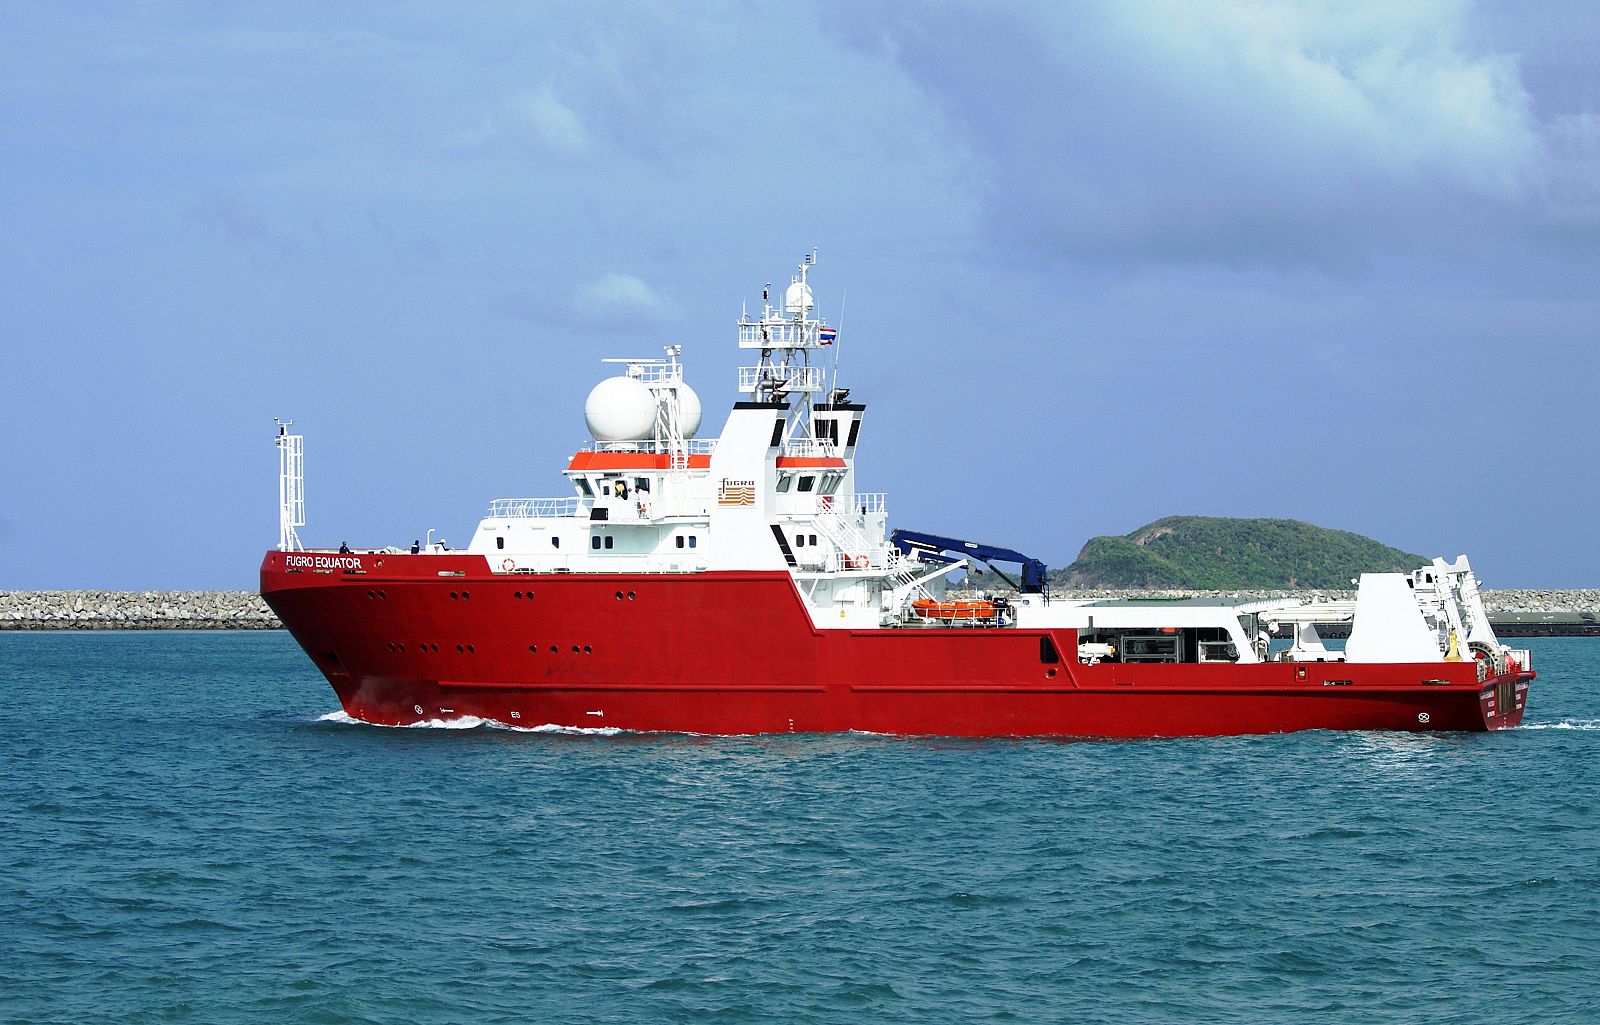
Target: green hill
<point>1217,553</point>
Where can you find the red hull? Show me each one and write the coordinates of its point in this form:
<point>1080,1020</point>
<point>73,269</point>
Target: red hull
<point>736,652</point>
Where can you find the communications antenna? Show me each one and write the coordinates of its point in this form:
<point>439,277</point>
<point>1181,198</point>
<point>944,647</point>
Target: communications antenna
<point>291,485</point>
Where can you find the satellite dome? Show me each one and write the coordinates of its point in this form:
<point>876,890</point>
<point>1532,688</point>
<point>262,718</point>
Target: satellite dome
<point>620,409</point>
<point>688,411</point>
<point>797,298</point>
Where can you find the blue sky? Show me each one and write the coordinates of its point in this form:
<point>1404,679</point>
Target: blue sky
<point>1105,262</point>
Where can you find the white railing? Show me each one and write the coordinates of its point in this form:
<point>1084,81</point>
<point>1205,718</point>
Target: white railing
<point>806,379</point>
<point>676,508</point>
<point>862,503</point>
<point>695,446</point>
<point>819,448</point>
<point>778,334</point>
<point>656,373</point>
<point>533,508</point>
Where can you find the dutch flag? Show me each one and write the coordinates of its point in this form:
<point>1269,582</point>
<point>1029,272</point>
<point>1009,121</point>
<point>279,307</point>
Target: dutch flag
<point>828,334</point>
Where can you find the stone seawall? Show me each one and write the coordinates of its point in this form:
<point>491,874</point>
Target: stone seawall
<point>135,610</point>
<point>244,610</point>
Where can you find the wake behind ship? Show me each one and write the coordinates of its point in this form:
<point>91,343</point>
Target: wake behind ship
<point>743,584</point>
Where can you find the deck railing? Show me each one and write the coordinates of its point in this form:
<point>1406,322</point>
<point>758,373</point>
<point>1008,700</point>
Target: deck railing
<point>533,508</point>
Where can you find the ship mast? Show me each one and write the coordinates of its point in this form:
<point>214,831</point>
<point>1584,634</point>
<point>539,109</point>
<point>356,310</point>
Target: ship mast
<point>291,485</point>
<point>786,336</point>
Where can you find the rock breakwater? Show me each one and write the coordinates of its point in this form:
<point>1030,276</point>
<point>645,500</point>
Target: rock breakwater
<point>135,610</point>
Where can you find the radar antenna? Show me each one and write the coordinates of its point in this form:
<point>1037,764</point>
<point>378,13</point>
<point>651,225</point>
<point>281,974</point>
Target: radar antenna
<point>291,485</point>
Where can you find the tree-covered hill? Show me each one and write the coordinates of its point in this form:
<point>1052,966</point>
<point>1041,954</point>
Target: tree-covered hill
<point>1211,552</point>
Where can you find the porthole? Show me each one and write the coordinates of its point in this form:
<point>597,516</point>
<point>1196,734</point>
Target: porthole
<point>630,596</point>
<point>465,595</point>
<point>519,595</point>
<point>460,650</point>
<point>471,649</point>
<point>454,596</point>
<point>575,649</point>
<point>533,649</point>
<point>619,596</point>
<point>554,649</point>
<point>588,650</point>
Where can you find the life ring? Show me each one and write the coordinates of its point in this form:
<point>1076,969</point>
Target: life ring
<point>855,562</point>
<point>508,564</point>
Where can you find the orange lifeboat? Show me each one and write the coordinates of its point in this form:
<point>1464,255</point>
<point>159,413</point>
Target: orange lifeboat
<point>948,611</point>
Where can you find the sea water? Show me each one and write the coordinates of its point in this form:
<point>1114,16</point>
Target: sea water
<point>188,835</point>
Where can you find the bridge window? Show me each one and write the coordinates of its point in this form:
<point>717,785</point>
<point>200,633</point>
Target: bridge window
<point>806,483</point>
<point>784,480</point>
<point>583,486</point>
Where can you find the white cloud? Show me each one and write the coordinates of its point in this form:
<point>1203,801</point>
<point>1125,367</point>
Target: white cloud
<point>1239,132</point>
<point>620,301</point>
<point>535,114</point>
<point>552,122</point>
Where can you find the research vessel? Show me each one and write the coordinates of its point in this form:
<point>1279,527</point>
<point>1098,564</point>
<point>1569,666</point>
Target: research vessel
<point>744,584</point>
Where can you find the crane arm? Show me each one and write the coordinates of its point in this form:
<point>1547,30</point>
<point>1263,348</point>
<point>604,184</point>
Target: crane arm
<point>1033,571</point>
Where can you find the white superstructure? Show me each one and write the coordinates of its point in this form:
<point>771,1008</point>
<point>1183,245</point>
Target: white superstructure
<point>776,490</point>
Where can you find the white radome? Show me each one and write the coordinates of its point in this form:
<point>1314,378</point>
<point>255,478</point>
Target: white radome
<point>688,411</point>
<point>620,409</point>
<point>797,298</point>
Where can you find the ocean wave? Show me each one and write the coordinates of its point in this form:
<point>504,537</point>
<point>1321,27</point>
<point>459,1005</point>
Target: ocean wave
<point>473,722</point>
<point>1564,724</point>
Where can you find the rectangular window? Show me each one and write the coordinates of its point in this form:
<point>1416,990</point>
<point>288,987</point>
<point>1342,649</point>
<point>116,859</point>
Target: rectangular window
<point>784,480</point>
<point>806,483</point>
<point>691,540</point>
<point>813,540</point>
<point>641,483</point>
<point>679,539</point>
<point>609,539</point>
<point>499,542</point>
<point>855,429</point>
<point>583,486</point>
<point>555,542</point>
<point>777,435</point>
<point>594,542</point>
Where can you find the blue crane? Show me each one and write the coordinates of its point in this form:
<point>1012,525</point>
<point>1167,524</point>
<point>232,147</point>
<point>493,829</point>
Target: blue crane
<point>1033,571</point>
